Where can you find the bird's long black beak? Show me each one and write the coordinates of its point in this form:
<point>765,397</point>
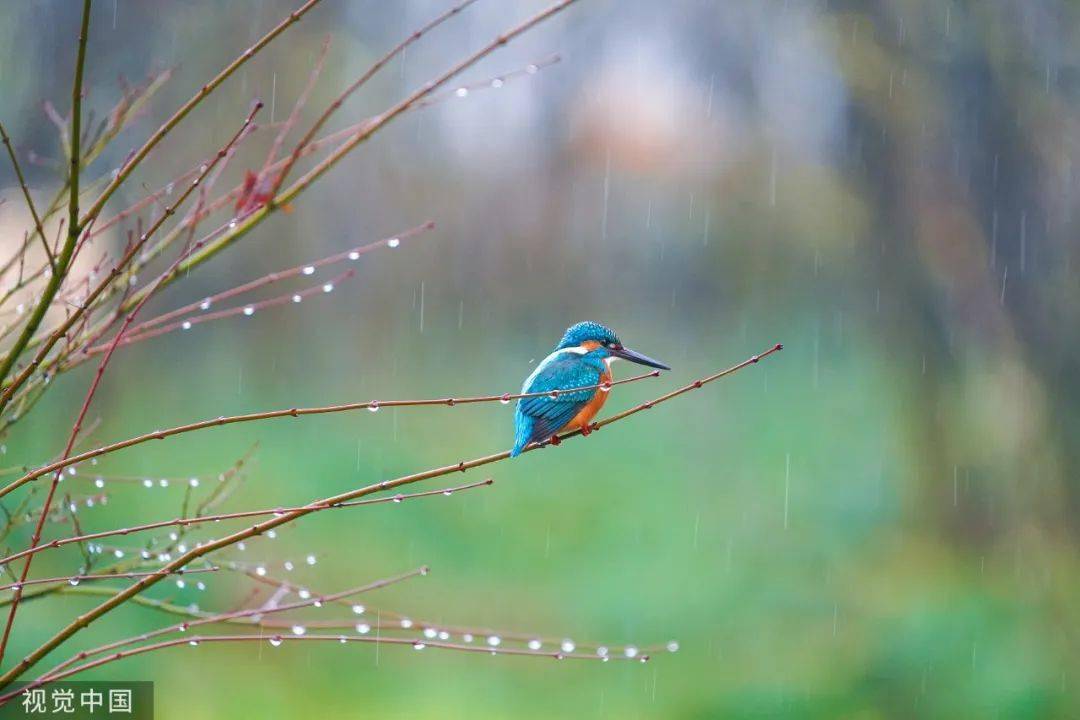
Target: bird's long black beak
<point>636,357</point>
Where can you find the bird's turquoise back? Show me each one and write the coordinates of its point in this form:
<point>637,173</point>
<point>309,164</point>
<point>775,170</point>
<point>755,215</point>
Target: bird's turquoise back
<point>538,418</point>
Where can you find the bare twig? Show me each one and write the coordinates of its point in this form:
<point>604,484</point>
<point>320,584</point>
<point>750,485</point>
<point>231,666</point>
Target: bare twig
<point>372,405</point>
<point>184,522</point>
<point>76,579</point>
<point>29,200</point>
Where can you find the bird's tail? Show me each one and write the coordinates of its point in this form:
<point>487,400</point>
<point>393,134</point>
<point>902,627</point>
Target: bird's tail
<point>522,435</point>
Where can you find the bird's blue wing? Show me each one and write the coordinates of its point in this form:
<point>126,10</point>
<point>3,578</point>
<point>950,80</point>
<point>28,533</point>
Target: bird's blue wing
<point>538,418</point>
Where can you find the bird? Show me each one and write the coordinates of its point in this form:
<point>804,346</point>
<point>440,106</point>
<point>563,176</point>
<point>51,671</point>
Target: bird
<point>582,359</point>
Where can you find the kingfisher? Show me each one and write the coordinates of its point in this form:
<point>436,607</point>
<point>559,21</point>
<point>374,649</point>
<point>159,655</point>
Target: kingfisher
<point>582,359</point>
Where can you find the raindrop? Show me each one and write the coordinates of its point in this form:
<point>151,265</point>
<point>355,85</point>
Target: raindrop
<point>310,560</point>
<point>398,498</point>
<point>232,223</point>
<point>193,642</point>
<point>467,637</point>
<point>181,584</point>
<point>304,593</point>
<point>74,581</point>
<point>494,640</point>
<point>535,644</point>
<point>393,242</point>
<point>630,651</point>
<point>462,92</point>
<point>673,646</point>
<point>354,255</point>
<point>443,635</point>
<point>342,640</point>
<point>406,623</point>
<point>205,304</point>
<point>260,571</point>
<point>298,630</point>
<point>200,585</point>
<point>358,609</point>
<point>118,553</point>
<point>497,83</point>
<point>363,628</point>
<point>271,534</point>
<point>288,565</point>
<point>163,482</point>
<point>430,633</point>
<point>505,399</point>
<point>309,270</point>
<point>100,482</point>
<point>605,386</point>
<point>373,406</point>
<point>602,651</point>
<point>418,645</point>
<point>249,310</point>
<point>568,646</point>
<point>296,298</point>
<point>148,483</point>
<point>328,287</point>
<point>531,69</point>
<point>186,325</point>
<point>276,640</point>
<point>194,482</point>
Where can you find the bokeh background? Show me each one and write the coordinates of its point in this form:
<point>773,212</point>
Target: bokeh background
<point>878,522</point>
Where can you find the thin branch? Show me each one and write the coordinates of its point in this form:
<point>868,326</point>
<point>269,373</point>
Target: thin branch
<point>76,579</point>
<point>372,405</point>
<point>29,200</point>
<point>184,522</point>
<point>343,639</point>
<point>229,617</point>
<point>85,619</point>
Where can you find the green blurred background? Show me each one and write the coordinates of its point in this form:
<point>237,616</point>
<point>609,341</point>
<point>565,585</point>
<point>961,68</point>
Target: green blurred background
<point>878,522</point>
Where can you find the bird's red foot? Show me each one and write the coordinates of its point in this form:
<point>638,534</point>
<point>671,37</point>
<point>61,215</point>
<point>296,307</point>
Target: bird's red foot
<point>585,430</point>
<point>555,440</point>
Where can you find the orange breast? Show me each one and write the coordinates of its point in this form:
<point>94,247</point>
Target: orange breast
<point>587,413</point>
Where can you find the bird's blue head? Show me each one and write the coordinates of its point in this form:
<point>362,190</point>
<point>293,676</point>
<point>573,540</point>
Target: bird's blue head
<point>586,332</point>
<point>595,339</point>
